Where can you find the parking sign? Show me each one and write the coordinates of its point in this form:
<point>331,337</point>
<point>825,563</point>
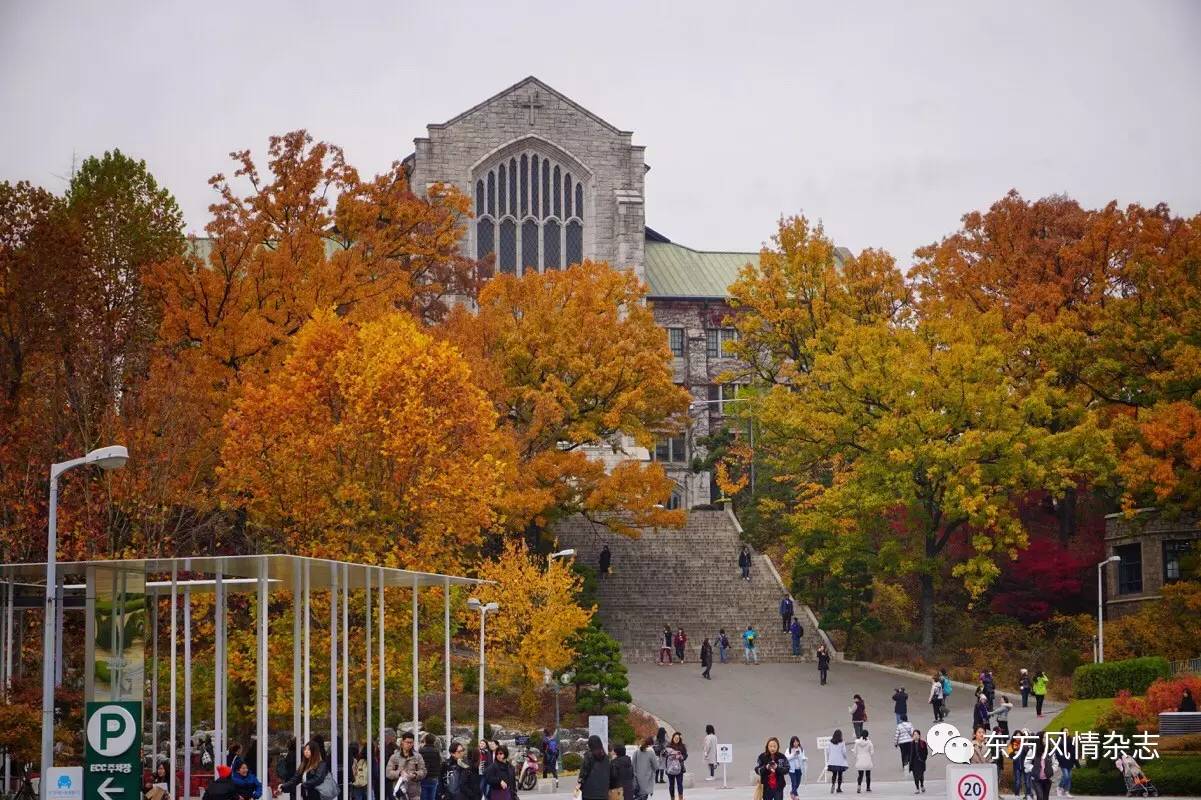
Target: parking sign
<point>112,765</point>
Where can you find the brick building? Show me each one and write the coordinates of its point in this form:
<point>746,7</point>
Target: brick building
<point>552,184</point>
<point>1151,548</point>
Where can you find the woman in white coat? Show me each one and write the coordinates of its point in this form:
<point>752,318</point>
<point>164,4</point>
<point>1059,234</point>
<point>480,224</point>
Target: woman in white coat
<point>710,751</point>
<point>864,750</point>
<point>796,764</point>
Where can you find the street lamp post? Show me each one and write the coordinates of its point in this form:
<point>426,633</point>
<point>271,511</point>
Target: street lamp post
<point>106,458</point>
<point>568,553</point>
<point>1101,606</point>
<point>483,608</point>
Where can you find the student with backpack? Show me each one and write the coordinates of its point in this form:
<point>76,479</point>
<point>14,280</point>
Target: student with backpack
<point>550,758</point>
<point>458,779</point>
<point>936,698</point>
<point>797,632</point>
<point>675,755</point>
<point>748,645</point>
<point>946,690</point>
<point>723,644</point>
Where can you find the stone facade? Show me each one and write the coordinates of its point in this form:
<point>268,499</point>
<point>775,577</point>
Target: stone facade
<point>530,117</point>
<point>1156,542</point>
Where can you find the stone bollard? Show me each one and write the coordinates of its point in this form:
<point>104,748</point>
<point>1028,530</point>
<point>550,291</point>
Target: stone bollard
<point>546,787</point>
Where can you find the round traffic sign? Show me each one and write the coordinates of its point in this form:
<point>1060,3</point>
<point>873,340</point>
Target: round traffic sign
<point>111,730</point>
<point>972,786</point>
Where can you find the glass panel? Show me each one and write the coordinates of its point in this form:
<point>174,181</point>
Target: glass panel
<point>552,255</point>
<point>663,450</point>
<point>567,195</point>
<point>508,246</point>
<point>120,620</point>
<point>1130,569</point>
<point>484,231</point>
<point>503,185</point>
<point>558,205</point>
<point>525,200</point>
<point>675,340</point>
<point>545,188</point>
<point>575,242</point>
<point>579,200</point>
<point>529,246</point>
<point>534,186</point>
<point>479,198</point>
<point>491,192</point>
<point>512,186</point>
<point>712,343</point>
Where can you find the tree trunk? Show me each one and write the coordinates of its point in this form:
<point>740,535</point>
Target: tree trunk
<point>927,611</point>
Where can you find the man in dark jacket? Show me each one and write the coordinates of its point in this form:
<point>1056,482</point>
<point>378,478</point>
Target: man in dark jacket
<point>786,608</point>
<point>596,774</point>
<point>433,767</point>
<point>606,558</point>
<point>900,703</point>
<point>706,662</point>
<point>388,791</point>
<point>623,771</point>
<point>796,632</point>
<point>222,787</point>
<point>744,562</point>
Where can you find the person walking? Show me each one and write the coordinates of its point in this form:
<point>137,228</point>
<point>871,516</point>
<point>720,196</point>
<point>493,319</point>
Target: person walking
<point>836,760</point>
<point>936,698</point>
<point>222,787</point>
<point>947,688</point>
<point>312,778</point>
<point>605,561</point>
<point>1042,766</point>
<point>900,703</point>
<point>709,752</point>
<point>1068,761</point>
<point>772,767</point>
<point>433,766</point>
<point>864,750</point>
<point>646,767</point>
<point>499,781</point>
<point>980,746</point>
<point>406,769</point>
<point>661,756</point>
<point>917,762</point>
<point>623,772</point>
<point>550,758</point>
<point>233,758</point>
<point>797,763</point>
<point>706,659</point>
<point>903,740</point>
<point>1000,714</point>
<point>457,776</point>
<point>858,714</point>
<point>823,662</point>
<point>786,609</point>
<point>744,562</point>
<point>285,765</point>
<point>665,647</point>
<point>796,632</point>
<point>748,645</point>
<point>990,687</point>
<point>723,644</point>
<point>980,712</point>
<point>1039,687</point>
<point>681,642</point>
<point>1024,686</point>
<point>674,756</point>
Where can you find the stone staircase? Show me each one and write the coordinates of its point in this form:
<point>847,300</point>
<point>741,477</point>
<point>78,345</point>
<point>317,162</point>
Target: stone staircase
<point>686,578</point>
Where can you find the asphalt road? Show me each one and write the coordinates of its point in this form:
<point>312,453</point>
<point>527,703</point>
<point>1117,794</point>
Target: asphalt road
<point>747,704</point>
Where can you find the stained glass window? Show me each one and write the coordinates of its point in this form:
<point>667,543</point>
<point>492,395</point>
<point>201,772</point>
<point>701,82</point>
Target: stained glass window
<point>558,208</point>
<point>525,200</point>
<point>508,246</point>
<point>503,185</point>
<point>575,242</point>
<point>552,256</point>
<point>484,231</point>
<point>529,246</point>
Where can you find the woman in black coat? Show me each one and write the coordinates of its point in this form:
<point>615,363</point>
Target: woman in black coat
<point>499,781</point>
<point>917,761</point>
<point>622,770</point>
<point>596,774</point>
<point>312,772</point>
<point>772,770</point>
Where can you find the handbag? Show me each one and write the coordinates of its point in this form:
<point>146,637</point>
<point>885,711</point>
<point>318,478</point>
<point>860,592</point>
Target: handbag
<point>328,788</point>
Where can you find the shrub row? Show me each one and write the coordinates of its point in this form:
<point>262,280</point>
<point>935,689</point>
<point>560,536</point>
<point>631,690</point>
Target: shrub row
<point>1106,680</point>
<point>1172,775</point>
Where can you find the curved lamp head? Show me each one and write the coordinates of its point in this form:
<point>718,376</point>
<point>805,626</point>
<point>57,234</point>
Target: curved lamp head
<point>473,603</point>
<point>568,553</point>
<point>1113,559</point>
<point>112,457</point>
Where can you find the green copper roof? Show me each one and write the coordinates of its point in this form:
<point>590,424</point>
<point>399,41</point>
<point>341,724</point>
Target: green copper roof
<point>673,270</point>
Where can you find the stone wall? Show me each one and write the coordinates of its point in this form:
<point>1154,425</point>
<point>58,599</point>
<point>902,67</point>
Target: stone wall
<point>1149,529</point>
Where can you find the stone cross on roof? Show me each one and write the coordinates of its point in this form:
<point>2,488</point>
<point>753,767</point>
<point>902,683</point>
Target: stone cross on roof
<point>530,102</point>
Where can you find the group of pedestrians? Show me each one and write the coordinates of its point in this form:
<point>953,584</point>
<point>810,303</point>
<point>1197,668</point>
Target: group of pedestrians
<point>657,759</point>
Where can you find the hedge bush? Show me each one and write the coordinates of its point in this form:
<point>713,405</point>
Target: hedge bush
<point>1106,680</point>
<point>572,762</point>
<point>1172,775</point>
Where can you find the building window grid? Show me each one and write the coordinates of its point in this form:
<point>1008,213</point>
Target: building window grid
<point>1173,551</point>
<point>540,226</point>
<point>1130,569</point>
<point>721,394</point>
<point>675,340</point>
<point>716,340</point>
<point>671,449</point>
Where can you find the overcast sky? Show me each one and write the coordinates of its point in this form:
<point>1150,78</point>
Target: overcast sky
<point>886,120</point>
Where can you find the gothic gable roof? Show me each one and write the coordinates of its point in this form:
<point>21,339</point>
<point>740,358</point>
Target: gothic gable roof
<point>521,84</point>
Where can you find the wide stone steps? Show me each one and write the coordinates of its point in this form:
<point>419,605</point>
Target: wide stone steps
<point>688,579</point>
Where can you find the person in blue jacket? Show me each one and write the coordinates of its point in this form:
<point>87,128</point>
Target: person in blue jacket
<point>246,784</point>
<point>786,609</point>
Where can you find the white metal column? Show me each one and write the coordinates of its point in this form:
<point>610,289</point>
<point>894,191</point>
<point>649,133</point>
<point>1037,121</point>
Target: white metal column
<point>261,682</point>
<point>368,642</point>
<point>333,666</point>
<point>152,599</point>
<point>296,667</point>
<point>187,695</point>
<point>345,682</point>
<point>446,656</point>
<point>8,669</point>
<point>218,676</point>
<point>416,721</point>
<point>308,659</point>
<point>174,660</point>
<point>383,741</point>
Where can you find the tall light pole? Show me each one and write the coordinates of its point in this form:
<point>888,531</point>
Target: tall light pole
<point>483,608</point>
<point>1101,606</point>
<point>106,458</point>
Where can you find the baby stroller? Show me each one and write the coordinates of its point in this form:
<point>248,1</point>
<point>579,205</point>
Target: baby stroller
<point>1137,782</point>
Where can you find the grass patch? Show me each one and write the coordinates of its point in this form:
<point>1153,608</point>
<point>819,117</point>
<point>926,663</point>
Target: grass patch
<point>1081,715</point>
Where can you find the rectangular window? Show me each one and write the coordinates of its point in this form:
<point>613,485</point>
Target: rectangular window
<point>1130,569</point>
<point>716,340</point>
<point>722,397</point>
<point>670,449</point>
<point>675,340</point>
<point>1173,552</point>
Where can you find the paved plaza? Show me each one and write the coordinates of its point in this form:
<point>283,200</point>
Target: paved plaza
<point>747,704</point>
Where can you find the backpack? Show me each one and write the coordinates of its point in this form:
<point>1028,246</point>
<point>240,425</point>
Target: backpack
<point>206,758</point>
<point>453,781</point>
<point>946,686</point>
<point>674,765</point>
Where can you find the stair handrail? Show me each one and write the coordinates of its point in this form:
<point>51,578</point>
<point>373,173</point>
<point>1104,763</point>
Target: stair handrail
<point>771,568</point>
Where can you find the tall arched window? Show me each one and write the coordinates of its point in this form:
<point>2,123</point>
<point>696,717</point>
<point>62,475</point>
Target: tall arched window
<point>530,213</point>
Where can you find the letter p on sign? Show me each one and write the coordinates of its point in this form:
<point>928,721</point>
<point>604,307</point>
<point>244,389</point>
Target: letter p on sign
<point>111,731</point>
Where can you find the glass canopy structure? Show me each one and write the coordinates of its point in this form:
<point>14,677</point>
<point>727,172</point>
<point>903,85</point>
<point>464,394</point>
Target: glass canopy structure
<point>122,601</point>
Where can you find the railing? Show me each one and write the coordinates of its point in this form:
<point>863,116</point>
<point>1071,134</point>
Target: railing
<point>1190,665</point>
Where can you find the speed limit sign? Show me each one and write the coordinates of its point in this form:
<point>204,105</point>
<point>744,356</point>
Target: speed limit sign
<point>972,782</point>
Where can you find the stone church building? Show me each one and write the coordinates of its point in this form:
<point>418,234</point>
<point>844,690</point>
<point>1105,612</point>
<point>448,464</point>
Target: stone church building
<point>553,184</point>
